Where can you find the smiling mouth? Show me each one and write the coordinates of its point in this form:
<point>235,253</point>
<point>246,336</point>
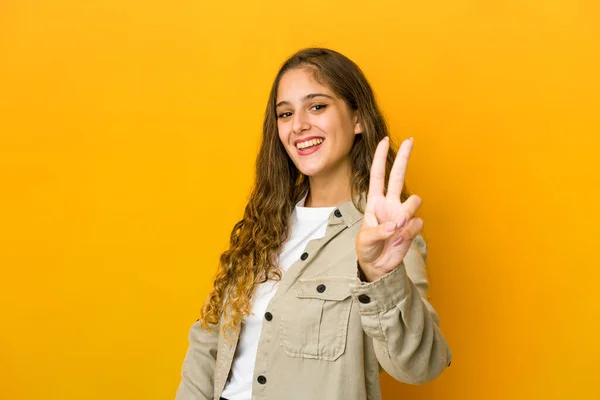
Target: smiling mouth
<point>309,146</point>
<point>309,143</point>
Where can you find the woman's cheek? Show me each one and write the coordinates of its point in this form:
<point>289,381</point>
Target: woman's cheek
<point>281,133</point>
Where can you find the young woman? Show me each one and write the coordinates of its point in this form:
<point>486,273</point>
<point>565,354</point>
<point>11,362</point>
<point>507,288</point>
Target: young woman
<point>324,283</point>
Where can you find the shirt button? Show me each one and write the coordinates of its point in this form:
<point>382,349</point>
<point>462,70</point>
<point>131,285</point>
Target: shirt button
<point>268,316</point>
<point>262,380</point>
<point>363,298</point>
<point>321,288</point>
<point>304,256</point>
<point>337,213</point>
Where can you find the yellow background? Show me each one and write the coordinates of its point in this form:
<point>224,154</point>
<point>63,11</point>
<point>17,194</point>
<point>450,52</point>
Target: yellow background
<point>128,133</point>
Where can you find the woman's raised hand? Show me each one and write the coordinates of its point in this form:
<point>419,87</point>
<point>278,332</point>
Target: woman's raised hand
<point>388,226</point>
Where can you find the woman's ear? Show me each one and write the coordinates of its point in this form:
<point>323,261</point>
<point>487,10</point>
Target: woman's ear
<point>358,128</point>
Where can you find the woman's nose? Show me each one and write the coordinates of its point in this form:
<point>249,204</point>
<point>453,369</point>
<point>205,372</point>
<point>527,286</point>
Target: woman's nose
<point>300,122</point>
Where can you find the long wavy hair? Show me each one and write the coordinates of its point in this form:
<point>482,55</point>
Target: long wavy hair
<point>257,238</point>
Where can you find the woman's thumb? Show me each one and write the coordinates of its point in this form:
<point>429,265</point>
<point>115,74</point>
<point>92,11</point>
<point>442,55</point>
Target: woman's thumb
<point>378,233</point>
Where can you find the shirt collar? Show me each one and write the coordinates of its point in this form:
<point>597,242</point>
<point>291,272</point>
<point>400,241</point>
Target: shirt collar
<point>350,214</point>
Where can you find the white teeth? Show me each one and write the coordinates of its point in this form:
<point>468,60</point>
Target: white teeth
<point>309,143</point>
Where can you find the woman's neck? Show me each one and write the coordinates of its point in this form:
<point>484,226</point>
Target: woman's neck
<point>328,191</point>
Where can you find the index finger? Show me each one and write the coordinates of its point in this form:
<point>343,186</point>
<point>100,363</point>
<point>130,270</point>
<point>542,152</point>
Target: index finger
<point>377,178</point>
<point>398,171</point>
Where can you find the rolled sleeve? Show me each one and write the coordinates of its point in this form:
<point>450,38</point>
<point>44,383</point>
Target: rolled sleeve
<point>395,313</point>
<point>383,294</point>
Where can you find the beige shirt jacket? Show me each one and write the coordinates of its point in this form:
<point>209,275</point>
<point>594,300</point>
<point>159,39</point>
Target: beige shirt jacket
<point>327,333</point>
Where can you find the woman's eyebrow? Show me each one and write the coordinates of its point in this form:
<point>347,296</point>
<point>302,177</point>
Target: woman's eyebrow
<point>307,97</point>
<point>313,95</point>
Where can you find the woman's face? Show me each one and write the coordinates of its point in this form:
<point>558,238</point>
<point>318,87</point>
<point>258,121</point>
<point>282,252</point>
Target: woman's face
<point>316,127</point>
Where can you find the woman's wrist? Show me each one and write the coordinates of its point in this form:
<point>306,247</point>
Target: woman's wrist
<point>361,273</point>
<point>365,276</point>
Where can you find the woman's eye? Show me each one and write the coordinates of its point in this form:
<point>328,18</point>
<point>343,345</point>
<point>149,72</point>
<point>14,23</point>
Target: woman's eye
<point>284,114</point>
<point>318,107</point>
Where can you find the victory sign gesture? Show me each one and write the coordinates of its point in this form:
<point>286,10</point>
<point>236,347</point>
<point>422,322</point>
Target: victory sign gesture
<point>388,226</point>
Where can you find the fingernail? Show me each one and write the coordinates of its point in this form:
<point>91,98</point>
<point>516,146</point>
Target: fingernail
<point>390,226</point>
<point>398,242</point>
<point>400,222</point>
<point>386,138</point>
<point>411,138</point>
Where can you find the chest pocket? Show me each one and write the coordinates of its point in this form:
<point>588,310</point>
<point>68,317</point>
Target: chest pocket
<point>315,324</point>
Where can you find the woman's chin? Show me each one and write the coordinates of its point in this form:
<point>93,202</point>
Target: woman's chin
<point>310,167</point>
<point>310,171</point>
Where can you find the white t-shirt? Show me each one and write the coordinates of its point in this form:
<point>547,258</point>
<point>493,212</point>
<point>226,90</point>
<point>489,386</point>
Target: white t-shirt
<point>307,223</point>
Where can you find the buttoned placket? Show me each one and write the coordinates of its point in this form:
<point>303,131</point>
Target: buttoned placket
<point>335,225</point>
